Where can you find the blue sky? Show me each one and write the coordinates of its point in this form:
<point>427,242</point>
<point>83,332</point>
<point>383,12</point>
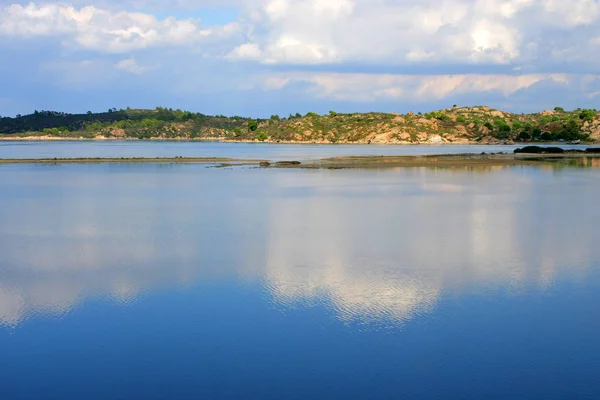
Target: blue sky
<point>259,57</point>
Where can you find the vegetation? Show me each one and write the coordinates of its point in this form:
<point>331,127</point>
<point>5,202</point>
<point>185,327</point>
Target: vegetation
<point>457,124</point>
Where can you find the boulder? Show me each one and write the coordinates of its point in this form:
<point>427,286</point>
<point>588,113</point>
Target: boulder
<point>539,150</point>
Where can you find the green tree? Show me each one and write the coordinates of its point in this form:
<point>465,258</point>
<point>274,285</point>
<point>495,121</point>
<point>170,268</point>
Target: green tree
<point>587,115</point>
<point>547,136</point>
<point>332,113</point>
<point>252,125</point>
<point>559,109</point>
<point>262,136</point>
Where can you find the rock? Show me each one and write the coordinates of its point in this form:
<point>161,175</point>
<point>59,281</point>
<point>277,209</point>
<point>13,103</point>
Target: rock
<point>539,150</point>
<point>287,163</point>
<point>436,139</point>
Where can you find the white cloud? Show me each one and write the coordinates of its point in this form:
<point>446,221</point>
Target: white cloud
<point>459,41</point>
<point>333,31</point>
<point>246,51</point>
<point>130,65</point>
<point>103,31</point>
<point>406,31</point>
<point>373,87</point>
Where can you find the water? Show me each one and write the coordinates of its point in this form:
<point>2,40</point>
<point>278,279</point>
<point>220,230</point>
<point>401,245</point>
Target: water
<point>143,281</point>
<point>233,150</point>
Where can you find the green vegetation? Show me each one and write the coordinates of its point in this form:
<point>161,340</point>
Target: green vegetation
<point>252,125</point>
<point>587,115</point>
<point>262,136</point>
<point>458,124</point>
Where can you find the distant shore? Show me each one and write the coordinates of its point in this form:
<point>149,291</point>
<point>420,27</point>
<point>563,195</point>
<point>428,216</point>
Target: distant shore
<point>7,138</point>
<point>351,162</point>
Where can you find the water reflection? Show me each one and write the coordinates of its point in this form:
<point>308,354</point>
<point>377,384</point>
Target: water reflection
<point>372,245</point>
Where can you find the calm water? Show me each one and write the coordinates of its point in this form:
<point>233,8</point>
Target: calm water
<point>180,281</point>
<point>234,150</point>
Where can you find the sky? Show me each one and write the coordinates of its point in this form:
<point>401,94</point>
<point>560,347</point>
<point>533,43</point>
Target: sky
<point>263,57</point>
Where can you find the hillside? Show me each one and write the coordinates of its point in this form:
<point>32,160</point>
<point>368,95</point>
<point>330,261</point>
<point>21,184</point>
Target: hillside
<point>454,125</point>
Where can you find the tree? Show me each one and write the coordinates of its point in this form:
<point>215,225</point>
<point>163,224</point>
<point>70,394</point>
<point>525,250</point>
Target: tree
<point>587,115</point>
<point>332,113</point>
<point>252,125</point>
<point>524,135</point>
<point>502,125</point>
<point>262,136</point>
<point>546,136</point>
<point>559,109</point>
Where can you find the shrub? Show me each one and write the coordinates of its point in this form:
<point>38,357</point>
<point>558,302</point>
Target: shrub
<point>262,136</point>
<point>461,119</point>
<point>587,115</point>
<point>559,109</point>
<point>548,136</point>
<point>524,135</point>
<point>51,131</point>
<point>332,113</point>
<point>252,125</point>
<point>311,114</point>
<point>502,125</point>
<point>437,115</point>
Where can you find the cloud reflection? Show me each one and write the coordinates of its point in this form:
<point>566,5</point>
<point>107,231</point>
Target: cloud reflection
<point>372,245</point>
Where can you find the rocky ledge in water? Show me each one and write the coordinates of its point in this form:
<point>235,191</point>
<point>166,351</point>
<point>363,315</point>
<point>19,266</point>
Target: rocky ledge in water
<point>526,156</point>
<point>555,150</point>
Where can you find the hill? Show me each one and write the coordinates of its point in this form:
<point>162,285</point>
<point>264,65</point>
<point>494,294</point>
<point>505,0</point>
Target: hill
<point>454,125</point>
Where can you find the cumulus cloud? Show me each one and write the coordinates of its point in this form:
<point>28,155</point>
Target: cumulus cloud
<point>402,31</point>
<point>131,65</point>
<point>100,30</point>
<point>427,49</point>
<point>372,87</point>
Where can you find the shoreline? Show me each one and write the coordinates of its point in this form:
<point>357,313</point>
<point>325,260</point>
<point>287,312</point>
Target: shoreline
<point>49,139</point>
<point>349,162</point>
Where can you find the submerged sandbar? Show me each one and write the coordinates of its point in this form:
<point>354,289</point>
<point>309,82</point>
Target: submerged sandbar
<point>349,162</point>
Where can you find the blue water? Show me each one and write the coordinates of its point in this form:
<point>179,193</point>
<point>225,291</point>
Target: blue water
<point>143,281</point>
<point>233,150</point>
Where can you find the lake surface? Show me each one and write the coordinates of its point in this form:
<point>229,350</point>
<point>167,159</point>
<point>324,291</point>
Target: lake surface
<point>266,151</point>
<point>144,281</point>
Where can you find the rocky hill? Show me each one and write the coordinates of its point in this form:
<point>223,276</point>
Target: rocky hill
<point>454,125</point>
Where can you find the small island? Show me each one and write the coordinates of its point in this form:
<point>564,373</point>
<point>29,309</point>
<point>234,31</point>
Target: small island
<point>455,125</point>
